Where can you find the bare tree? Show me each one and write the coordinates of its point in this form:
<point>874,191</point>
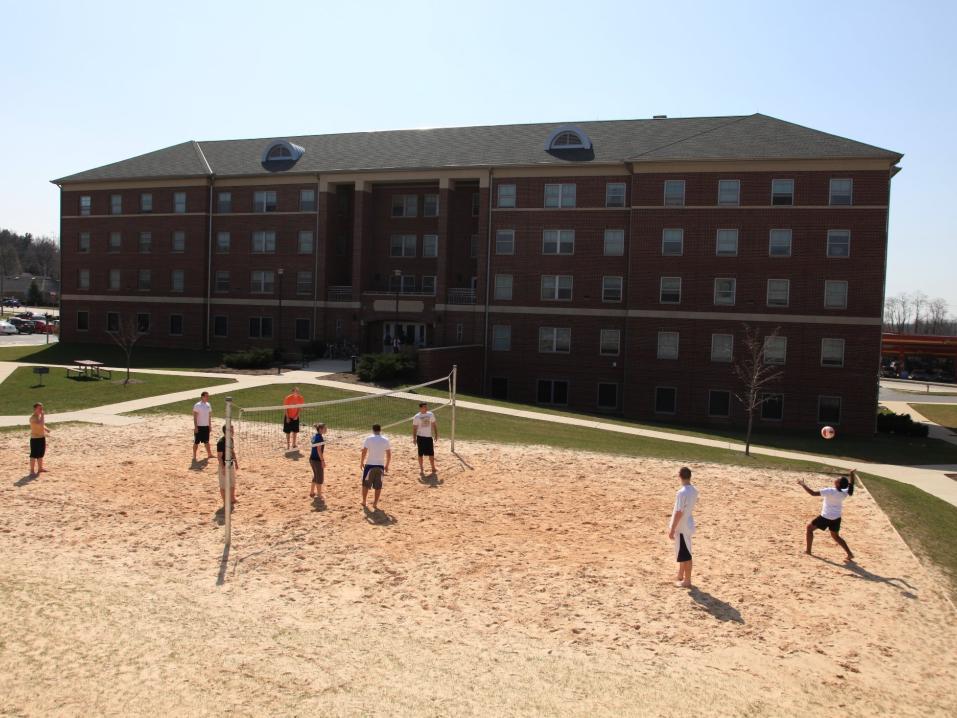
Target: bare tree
<point>44,256</point>
<point>9,264</point>
<point>918,303</point>
<point>126,335</point>
<point>754,373</point>
<point>936,321</point>
<point>897,311</point>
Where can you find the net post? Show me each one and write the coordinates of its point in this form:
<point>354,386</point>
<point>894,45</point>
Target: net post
<point>228,471</point>
<point>455,372</point>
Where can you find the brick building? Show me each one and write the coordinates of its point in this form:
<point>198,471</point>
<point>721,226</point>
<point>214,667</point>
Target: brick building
<point>606,266</point>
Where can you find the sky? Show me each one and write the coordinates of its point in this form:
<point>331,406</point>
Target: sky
<point>88,83</point>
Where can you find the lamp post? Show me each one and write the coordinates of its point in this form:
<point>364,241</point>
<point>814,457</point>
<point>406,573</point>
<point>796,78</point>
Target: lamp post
<point>279,323</point>
<point>397,273</point>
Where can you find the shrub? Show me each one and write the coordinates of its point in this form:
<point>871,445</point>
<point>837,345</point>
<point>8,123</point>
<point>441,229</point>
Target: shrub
<point>383,367</point>
<point>900,424</point>
<point>313,349</point>
<point>249,359</point>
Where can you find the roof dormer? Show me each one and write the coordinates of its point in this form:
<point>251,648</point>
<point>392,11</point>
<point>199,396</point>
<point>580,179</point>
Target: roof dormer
<point>567,137</point>
<point>282,151</point>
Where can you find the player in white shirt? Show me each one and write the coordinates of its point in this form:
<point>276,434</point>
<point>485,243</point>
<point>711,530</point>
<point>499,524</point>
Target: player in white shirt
<point>682,527</point>
<point>202,414</point>
<point>831,508</point>
<point>374,461</point>
<point>425,431</point>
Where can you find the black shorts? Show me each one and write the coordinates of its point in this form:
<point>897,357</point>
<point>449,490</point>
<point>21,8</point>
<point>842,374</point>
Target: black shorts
<point>827,524</point>
<point>426,447</point>
<point>290,426</point>
<point>202,435</point>
<point>318,473</point>
<point>38,448</point>
<point>372,477</point>
<point>684,554</point>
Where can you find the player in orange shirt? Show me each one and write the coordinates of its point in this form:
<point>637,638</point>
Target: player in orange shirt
<point>290,417</point>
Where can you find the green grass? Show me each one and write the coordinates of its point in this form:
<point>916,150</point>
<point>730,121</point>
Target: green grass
<point>20,391</point>
<point>926,523</point>
<point>943,414</point>
<point>111,355</point>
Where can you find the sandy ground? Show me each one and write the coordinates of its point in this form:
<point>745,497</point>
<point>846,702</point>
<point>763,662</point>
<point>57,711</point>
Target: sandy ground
<point>523,582</point>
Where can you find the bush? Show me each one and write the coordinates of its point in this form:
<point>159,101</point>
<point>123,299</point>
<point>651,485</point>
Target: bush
<point>313,349</point>
<point>249,359</point>
<point>383,367</point>
<point>900,424</point>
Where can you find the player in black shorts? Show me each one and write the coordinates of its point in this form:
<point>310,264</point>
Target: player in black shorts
<point>425,432</point>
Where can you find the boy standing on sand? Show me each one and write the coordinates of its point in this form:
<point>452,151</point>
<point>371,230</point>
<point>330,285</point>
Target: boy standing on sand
<point>38,439</point>
<point>374,461</point>
<point>202,415</point>
<point>290,417</point>
<point>425,432</point>
<point>221,455</point>
<point>682,527</point>
<point>317,460</point>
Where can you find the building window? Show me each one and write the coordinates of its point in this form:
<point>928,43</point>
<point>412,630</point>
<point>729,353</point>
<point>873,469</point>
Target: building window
<point>615,194</point>
<point>611,289</point>
<point>775,350</point>
<point>779,291</point>
<point>670,290</point>
<point>112,322</point>
<point>264,201</point>
<point>428,284</point>
<point>430,245</point>
<point>724,291</point>
<point>503,287</point>
<point>607,395</point>
<point>560,195</point>
<point>83,279</point>
<point>264,242</point>
<point>772,407</point>
<point>82,321</point>
<point>841,191</point>
<point>473,246</point>
<point>405,205</point>
<point>144,280</point>
<point>719,404</point>
<point>260,327</point>
<point>506,195</point>
<point>505,241</point>
<point>476,204</point>
<point>554,340</point>
<point>339,324</point>
<point>782,192</point>
<point>674,193</point>
<point>146,202</point>
<point>176,325</point>
<point>404,283</point>
<point>832,352</point>
<point>729,192</point>
<point>305,242</point>
<point>303,330</point>
<point>178,242</point>
<point>672,242</point>
<point>838,243</point>
<point>430,205</point>
<point>179,202</point>
<point>83,243</point>
<point>116,242</point>
<point>666,400</point>
<point>261,281</point>
<point>459,332</point>
<point>222,242</point>
<point>114,279</point>
<point>614,243</point>
<point>402,245</point>
<point>146,242</point>
<point>86,205</point>
<point>558,241</point>
<point>224,202</point>
<point>116,204</point>
<point>220,326</point>
<point>668,345</point>
<point>177,280</point>
<point>779,243</point>
<point>556,287</point>
<point>726,244</point>
<point>609,342</point>
<point>552,392</point>
<point>829,409</point>
<point>501,337</point>
<point>307,200</point>
<point>222,280</point>
<point>303,282</point>
<point>835,294</point>
<point>722,347</point>
<point>142,323</point>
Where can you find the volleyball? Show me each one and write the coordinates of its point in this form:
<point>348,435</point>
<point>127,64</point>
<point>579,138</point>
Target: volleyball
<point>828,432</point>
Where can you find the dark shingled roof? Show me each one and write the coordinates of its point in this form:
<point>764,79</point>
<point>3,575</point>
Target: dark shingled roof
<point>614,141</point>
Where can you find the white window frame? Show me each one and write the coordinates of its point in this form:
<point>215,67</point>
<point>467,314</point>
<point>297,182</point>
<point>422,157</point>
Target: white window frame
<point>711,392</point>
<point>829,345</point>
<point>720,357</point>
<point>505,237</point>
<point>86,205</point>
<point>721,294</point>
<point>224,202</point>
<point>850,192</point>
<point>607,337</point>
<point>554,337</point>
<point>615,191</point>
<point>764,402</point>
<point>674,200</point>
<point>724,184</point>
<point>616,235</point>
<point>430,199</point>
<point>141,275</point>
<point>664,347</point>
<point>114,247</point>
<point>262,281</point>
<point>838,232</point>
<point>501,337</point>
<point>560,283</point>
<point>772,359</point>
<point>179,202</point>
<point>145,240</point>
<point>112,322</point>
<point>564,241</point>
<point>263,241</point>
<point>790,193</point>
<point>306,204</point>
<point>305,234</point>
<point>83,243</point>
<point>302,322</point>
<point>221,281</point>
<point>430,246</point>
<point>83,279</point>
<point>116,204</point>
<point>146,201</point>
<point>828,285</point>
<point>428,284</point>
<point>787,292</point>
<point>177,242</point>
<point>304,283</point>
<point>265,201</point>
<point>564,195</point>
<point>260,334</point>
<point>507,195</point>
<point>405,206</point>
<point>671,235</point>
<point>504,284</point>
<point>608,283</point>
<point>661,290</point>
<point>779,236</point>
<point>403,246</point>
<point>552,401</point>
<point>225,320</point>
<point>717,242</point>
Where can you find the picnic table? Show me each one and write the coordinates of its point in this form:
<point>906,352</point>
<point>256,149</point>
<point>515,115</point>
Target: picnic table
<point>88,369</point>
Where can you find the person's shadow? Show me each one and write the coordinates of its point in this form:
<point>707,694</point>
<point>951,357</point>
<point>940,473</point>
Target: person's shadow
<point>722,610</point>
<point>293,454</point>
<point>378,517</point>
<point>318,504</point>
<point>199,464</point>
<point>432,480</point>
<point>28,479</point>
<point>907,591</point>
<point>220,516</point>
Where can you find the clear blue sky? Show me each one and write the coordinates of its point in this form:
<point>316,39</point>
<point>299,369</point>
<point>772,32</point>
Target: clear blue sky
<point>88,83</point>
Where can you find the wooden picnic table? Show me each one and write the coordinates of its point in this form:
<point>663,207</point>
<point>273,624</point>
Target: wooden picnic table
<point>89,369</point>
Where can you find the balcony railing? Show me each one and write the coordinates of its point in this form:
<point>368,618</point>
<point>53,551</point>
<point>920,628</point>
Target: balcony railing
<point>340,294</point>
<point>461,296</point>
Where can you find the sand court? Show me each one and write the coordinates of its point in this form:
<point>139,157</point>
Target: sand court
<point>520,581</point>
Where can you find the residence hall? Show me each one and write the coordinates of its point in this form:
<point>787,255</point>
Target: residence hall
<point>604,266</point>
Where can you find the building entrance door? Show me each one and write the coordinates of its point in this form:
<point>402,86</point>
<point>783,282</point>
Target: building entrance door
<point>411,333</point>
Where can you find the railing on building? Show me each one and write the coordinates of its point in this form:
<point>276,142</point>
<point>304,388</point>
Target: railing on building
<point>461,296</point>
<point>340,294</point>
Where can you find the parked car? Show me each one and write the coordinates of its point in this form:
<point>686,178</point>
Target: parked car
<point>7,328</point>
<point>11,302</point>
<point>24,326</point>
<point>920,375</point>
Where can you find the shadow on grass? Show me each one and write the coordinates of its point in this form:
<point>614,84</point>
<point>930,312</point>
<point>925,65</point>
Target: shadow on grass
<point>722,610</point>
<point>857,571</point>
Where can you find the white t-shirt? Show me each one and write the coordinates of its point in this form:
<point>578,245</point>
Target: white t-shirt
<point>685,500</point>
<point>202,410</point>
<point>423,423</point>
<point>377,445</point>
<point>833,502</point>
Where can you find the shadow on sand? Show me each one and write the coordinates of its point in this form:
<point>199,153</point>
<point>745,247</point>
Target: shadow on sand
<point>462,461</point>
<point>722,610</point>
<point>28,479</point>
<point>293,454</point>
<point>318,504</point>
<point>198,465</point>
<point>223,565</point>
<point>432,480</point>
<point>378,517</point>
<point>907,591</point>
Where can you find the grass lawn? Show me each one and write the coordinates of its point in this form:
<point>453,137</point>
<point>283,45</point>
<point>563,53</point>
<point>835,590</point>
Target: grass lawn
<point>19,392</point>
<point>926,523</point>
<point>943,414</point>
<point>111,355</point>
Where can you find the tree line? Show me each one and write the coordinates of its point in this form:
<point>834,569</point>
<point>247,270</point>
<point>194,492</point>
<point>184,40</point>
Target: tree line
<point>26,254</point>
<point>916,313</point>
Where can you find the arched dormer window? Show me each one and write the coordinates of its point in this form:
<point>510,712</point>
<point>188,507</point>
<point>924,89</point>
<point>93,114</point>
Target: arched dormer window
<point>282,151</point>
<point>568,138</point>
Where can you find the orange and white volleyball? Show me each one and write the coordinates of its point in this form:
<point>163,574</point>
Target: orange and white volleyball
<point>828,432</point>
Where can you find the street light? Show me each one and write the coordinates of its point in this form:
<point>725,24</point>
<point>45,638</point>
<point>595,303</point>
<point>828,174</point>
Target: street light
<point>397,273</point>
<point>279,323</point>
